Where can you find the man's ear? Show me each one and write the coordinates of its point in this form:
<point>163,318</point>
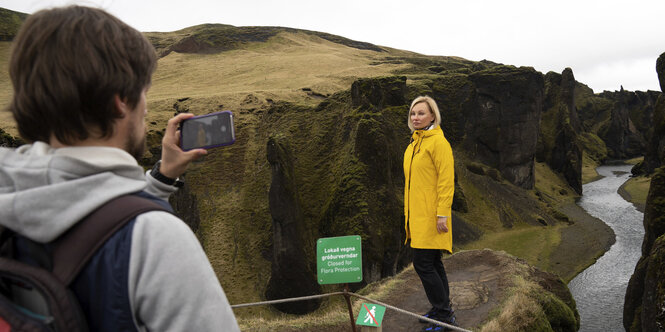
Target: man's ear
<point>121,108</point>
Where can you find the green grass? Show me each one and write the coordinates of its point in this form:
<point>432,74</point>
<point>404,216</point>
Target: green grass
<point>589,173</point>
<point>634,161</point>
<point>638,188</point>
<point>531,243</point>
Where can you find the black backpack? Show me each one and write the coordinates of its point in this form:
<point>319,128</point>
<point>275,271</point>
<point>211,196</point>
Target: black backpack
<point>38,298</point>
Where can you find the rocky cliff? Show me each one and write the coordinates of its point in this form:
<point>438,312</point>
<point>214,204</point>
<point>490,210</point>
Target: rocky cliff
<point>644,308</point>
<point>622,135</point>
<point>504,120</point>
<point>291,271</point>
<point>493,115</point>
<point>558,139</point>
<point>655,152</point>
<point>622,119</point>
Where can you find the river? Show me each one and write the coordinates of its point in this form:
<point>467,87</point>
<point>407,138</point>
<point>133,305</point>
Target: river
<point>600,289</point>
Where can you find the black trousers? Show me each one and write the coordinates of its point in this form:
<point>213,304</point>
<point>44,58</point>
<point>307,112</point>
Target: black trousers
<point>428,265</point>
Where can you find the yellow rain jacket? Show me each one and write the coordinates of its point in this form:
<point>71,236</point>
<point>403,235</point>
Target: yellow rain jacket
<point>428,189</point>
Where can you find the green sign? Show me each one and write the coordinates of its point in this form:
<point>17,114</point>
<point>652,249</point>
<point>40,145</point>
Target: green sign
<point>339,260</point>
<point>370,314</point>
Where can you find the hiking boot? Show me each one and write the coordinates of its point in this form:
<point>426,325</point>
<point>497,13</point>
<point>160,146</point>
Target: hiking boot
<point>430,314</point>
<point>434,328</point>
<point>450,320</point>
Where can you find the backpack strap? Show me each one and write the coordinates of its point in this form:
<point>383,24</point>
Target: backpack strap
<point>73,249</point>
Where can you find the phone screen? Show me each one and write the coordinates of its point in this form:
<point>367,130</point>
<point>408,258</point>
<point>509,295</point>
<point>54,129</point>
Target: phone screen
<point>207,131</point>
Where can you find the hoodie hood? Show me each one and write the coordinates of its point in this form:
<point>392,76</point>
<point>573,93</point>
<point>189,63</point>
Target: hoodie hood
<point>44,191</point>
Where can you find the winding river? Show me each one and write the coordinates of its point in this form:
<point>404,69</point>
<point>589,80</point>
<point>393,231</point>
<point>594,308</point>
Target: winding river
<point>600,289</point>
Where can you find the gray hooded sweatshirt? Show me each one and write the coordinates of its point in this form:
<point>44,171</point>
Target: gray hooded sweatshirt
<point>172,286</point>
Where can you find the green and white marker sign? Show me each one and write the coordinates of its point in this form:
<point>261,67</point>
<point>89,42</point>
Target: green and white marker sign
<point>370,314</point>
<point>339,260</point>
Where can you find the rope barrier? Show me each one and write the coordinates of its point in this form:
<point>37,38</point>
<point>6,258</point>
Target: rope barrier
<point>311,297</point>
<point>429,320</point>
<point>291,299</point>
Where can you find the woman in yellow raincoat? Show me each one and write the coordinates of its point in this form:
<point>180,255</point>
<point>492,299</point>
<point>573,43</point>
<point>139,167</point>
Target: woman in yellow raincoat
<point>428,197</point>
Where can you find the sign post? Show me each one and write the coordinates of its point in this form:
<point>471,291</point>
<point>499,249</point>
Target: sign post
<point>339,260</point>
<point>371,315</point>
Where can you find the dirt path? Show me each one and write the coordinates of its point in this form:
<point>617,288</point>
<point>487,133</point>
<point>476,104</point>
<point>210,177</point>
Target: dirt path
<point>477,279</point>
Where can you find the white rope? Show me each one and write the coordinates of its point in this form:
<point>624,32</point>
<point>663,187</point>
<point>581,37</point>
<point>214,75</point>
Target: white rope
<point>429,320</point>
<point>291,299</point>
<point>304,298</point>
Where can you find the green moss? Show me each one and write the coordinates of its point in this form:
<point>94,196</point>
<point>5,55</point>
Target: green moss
<point>559,315</point>
<point>593,146</point>
<point>10,23</point>
<point>8,140</point>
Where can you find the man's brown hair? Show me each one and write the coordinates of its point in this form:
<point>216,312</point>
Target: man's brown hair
<point>67,64</point>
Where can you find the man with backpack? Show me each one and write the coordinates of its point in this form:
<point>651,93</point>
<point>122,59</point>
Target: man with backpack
<point>80,78</point>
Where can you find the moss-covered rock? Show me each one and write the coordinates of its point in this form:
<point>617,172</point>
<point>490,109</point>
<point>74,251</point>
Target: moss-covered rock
<point>377,93</point>
<point>655,151</point>
<point>558,142</point>
<point>10,23</point>
<point>531,299</point>
<point>502,127</point>
<point>645,295</point>
<point>629,126</point>
<point>660,70</point>
<point>653,309</point>
<point>7,140</point>
<point>291,275</point>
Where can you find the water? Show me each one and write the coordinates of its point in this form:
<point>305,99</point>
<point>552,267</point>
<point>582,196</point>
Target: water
<point>600,289</point>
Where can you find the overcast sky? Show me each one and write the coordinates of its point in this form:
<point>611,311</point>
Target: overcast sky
<point>607,43</point>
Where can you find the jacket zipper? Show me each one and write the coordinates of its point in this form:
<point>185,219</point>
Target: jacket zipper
<point>413,153</point>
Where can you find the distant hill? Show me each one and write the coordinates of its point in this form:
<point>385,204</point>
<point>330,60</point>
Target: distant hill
<point>213,38</point>
<point>10,22</point>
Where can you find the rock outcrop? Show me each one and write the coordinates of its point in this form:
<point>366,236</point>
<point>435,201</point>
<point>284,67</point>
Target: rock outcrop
<point>644,308</point>
<point>559,129</point>
<point>655,152</point>
<point>291,273</point>
<point>11,22</point>
<point>185,205</point>
<point>7,140</point>
<point>378,93</point>
<point>630,123</point>
<point>503,124</point>
<point>491,291</point>
<point>372,173</point>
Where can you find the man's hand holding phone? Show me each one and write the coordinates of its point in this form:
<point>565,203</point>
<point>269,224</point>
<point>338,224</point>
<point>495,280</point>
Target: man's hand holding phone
<point>174,159</point>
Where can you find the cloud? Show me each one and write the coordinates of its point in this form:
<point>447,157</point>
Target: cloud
<point>633,74</point>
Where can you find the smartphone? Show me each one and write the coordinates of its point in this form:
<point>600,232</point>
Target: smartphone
<point>207,131</point>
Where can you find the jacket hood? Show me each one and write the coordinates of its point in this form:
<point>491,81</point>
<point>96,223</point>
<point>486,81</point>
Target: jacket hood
<point>44,191</point>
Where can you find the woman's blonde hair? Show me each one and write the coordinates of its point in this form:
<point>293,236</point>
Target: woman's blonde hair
<point>432,107</point>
